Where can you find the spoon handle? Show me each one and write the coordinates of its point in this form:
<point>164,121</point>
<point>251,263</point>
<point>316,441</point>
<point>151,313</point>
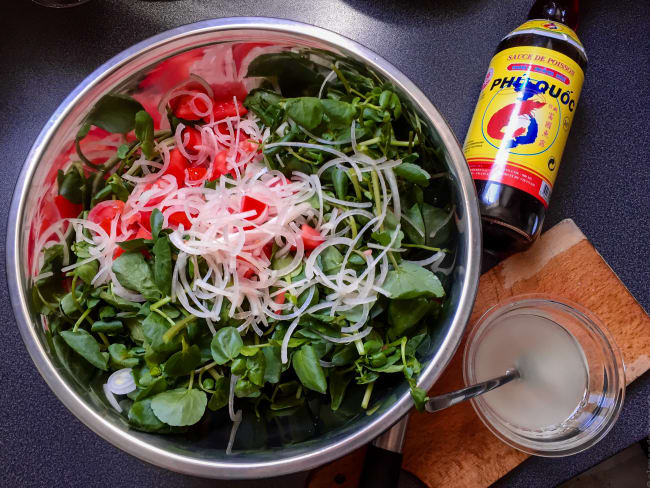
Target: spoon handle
<point>448,399</point>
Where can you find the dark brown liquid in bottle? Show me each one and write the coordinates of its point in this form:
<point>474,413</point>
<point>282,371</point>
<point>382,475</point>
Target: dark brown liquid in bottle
<point>512,218</point>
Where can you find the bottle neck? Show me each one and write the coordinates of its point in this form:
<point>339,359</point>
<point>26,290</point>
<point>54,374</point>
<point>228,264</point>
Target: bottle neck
<point>563,11</point>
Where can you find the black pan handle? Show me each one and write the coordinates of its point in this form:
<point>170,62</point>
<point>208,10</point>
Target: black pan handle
<point>381,468</point>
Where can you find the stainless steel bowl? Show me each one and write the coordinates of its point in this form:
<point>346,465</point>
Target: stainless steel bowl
<point>121,74</point>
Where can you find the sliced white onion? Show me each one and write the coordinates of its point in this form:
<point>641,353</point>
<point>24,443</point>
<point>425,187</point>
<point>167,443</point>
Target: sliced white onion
<point>121,382</point>
<point>111,398</point>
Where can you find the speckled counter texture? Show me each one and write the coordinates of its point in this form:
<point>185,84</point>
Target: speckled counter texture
<point>444,46</point>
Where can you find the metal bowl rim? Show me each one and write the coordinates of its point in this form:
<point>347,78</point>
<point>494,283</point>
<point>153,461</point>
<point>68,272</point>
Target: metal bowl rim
<point>236,469</point>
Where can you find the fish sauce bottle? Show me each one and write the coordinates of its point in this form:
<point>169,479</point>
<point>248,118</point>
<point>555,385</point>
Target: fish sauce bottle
<point>521,123</point>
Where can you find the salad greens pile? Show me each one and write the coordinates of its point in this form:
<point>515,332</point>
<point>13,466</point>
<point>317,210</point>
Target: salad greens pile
<point>179,368</point>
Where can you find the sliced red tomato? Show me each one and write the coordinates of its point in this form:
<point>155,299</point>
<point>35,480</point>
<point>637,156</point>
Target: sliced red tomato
<point>268,249</point>
<point>177,166</point>
<point>250,203</point>
<point>219,166</point>
<point>249,146</point>
<point>67,209</point>
<point>193,141</point>
<point>280,298</point>
<point>178,218</point>
<point>227,108</point>
<point>311,238</point>
<point>105,212</point>
<point>195,175</point>
<point>183,105</point>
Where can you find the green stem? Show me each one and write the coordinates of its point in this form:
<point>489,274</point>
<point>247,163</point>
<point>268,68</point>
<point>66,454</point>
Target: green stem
<point>353,226</point>
<point>81,319</point>
<point>177,327</point>
<point>377,194</point>
<point>426,248</point>
<point>408,143</point>
<point>355,183</point>
<point>73,288</point>
<point>366,396</point>
<point>298,156</point>
<point>160,303</point>
<point>104,339</point>
<point>369,142</point>
<point>393,260</point>
<point>189,385</point>
<point>342,78</point>
<point>359,346</point>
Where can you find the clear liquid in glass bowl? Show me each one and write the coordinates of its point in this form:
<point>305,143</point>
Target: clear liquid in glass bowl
<point>572,380</point>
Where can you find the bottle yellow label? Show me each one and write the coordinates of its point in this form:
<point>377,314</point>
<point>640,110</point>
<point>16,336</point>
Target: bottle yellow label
<point>522,119</point>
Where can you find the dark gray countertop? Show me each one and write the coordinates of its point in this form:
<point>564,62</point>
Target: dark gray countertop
<point>444,46</point>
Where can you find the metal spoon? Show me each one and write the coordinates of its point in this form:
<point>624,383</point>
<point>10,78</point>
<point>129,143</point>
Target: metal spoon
<point>441,402</point>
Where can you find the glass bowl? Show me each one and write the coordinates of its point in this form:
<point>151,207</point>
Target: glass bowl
<point>601,403</point>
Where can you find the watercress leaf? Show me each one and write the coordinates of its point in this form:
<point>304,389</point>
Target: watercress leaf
<point>419,397</point>
<point>404,314</point>
<point>338,384</point>
<point>122,151</point>
<point>339,114</point>
<point>345,355</point>
<point>107,312</point>
<point>141,417</point>
<point>244,388</point>
<point>153,329</point>
<point>118,187</point>
<point>413,225</point>
<point>341,181</point>
<point>119,302</point>
<point>114,113</point>
<point>68,306</point>
<point>238,367</point>
<point>156,222</point>
<point>133,245</point>
<point>273,364</point>
<point>72,362</point>
<point>107,326</point>
<point>162,265</point>
<point>305,111</point>
<point>412,281</point>
<point>413,173</point>
<point>226,345</point>
<point>157,385</point>
<point>309,371</point>
<point>266,105</point>
<point>86,346</point>
<point>256,366</point>
<point>181,363</point>
<point>414,343</point>
<point>120,357</point>
<point>180,406</point>
<point>385,237</point>
<point>221,394</point>
<point>144,133</point>
<point>133,272</point>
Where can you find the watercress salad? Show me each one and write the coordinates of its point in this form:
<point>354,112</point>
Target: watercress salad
<point>267,247</point>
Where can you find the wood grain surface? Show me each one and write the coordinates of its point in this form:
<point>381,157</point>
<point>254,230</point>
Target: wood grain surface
<point>452,448</point>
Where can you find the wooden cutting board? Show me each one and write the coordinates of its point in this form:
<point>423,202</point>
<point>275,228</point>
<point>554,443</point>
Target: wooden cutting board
<point>453,448</point>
